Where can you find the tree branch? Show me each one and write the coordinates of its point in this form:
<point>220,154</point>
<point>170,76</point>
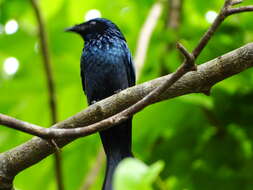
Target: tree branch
<point>115,119</point>
<point>50,87</point>
<point>226,11</point>
<point>174,16</point>
<point>93,174</point>
<point>239,10</point>
<point>52,133</point>
<point>145,35</point>
<point>46,60</point>
<point>173,21</point>
<point>188,56</point>
<point>236,2</point>
<point>208,74</point>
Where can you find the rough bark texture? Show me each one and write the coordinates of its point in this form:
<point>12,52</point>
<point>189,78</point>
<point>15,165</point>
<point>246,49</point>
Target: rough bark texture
<point>201,81</point>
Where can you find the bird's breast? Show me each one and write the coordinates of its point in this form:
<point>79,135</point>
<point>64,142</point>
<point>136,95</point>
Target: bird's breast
<point>104,71</point>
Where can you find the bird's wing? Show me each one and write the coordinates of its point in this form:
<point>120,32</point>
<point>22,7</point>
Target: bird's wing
<point>130,68</point>
<point>82,73</point>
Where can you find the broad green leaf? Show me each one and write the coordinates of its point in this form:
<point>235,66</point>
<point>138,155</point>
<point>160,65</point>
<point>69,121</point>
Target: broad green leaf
<point>132,174</point>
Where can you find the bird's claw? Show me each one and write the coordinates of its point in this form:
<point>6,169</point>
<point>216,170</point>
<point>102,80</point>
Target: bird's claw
<point>93,101</point>
<point>117,91</point>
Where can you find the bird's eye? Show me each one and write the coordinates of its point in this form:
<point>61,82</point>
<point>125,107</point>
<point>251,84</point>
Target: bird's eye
<point>93,22</point>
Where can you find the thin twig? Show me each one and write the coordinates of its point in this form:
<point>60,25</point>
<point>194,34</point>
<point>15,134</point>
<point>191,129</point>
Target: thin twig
<point>93,174</point>
<point>224,13</point>
<point>173,22</point>
<point>50,87</point>
<point>236,2</point>
<point>239,10</point>
<point>54,144</point>
<point>46,61</point>
<point>174,16</point>
<point>145,35</point>
<point>188,56</point>
<point>20,125</point>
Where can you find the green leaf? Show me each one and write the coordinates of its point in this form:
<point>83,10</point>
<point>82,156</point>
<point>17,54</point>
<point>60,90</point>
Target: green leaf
<point>132,174</point>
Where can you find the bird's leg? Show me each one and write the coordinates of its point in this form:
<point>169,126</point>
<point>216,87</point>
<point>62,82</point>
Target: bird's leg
<point>93,102</point>
<point>117,91</point>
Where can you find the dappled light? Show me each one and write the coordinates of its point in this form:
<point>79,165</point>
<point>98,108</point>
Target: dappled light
<point>11,27</point>
<point>93,13</point>
<point>10,65</point>
<point>210,16</point>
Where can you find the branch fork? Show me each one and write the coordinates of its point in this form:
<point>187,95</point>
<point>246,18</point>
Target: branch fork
<point>229,10</point>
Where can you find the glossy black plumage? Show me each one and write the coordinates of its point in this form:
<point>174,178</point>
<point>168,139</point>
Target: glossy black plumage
<point>106,68</point>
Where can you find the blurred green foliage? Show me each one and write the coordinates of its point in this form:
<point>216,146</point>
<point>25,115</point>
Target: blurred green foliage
<point>142,178</point>
<point>204,142</point>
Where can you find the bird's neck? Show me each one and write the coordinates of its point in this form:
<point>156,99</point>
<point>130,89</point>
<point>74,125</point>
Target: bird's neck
<point>106,38</point>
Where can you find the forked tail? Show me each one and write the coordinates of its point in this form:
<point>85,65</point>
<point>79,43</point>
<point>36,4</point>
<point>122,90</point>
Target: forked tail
<point>117,142</point>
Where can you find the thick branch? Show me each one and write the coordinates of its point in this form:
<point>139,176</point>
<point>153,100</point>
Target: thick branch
<point>52,133</point>
<point>208,74</point>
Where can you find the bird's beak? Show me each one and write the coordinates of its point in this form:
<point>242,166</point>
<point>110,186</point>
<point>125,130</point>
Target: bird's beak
<point>72,29</point>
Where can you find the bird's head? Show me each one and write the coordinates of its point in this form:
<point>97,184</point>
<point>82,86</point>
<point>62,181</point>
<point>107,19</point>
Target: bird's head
<point>94,28</point>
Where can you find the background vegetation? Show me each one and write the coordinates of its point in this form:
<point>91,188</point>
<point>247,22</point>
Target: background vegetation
<point>203,142</point>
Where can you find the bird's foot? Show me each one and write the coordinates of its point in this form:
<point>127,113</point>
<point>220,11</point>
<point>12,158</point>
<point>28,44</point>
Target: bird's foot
<point>117,91</point>
<point>93,101</point>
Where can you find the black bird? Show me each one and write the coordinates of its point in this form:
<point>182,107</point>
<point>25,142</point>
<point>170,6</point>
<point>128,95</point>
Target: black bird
<point>106,68</point>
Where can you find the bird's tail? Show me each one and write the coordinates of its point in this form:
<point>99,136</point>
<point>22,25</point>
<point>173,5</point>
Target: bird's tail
<point>117,142</point>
